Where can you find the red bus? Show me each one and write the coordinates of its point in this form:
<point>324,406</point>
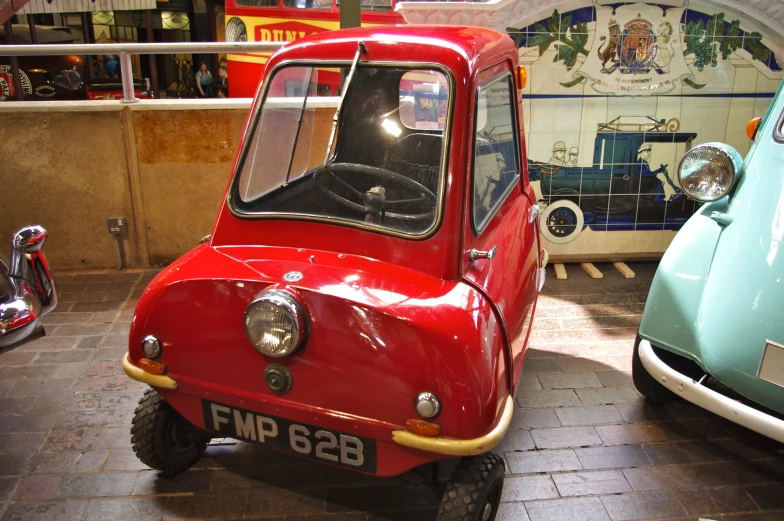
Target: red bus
<point>286,20</point>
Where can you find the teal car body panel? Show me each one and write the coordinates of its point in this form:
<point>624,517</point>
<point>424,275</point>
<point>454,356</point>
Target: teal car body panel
<point>718,294</point>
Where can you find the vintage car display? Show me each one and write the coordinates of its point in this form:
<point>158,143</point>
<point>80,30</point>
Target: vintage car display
<point>26,286</point>
<point>713,331</point>
<point>367,292</point>
<point>621,191</point>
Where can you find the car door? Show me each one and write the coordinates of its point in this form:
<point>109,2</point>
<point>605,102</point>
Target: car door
<point>500,245</point>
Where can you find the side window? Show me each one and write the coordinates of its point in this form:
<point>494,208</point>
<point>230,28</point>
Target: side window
<point>496,154</point>
<point>257,3</point>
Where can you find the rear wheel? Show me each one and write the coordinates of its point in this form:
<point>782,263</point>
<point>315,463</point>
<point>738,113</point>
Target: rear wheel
<point>164,440</point>
<point>474,491</point>
<point>646,384</point>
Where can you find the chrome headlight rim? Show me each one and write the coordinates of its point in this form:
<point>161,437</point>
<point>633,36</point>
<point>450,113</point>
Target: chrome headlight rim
<point>151,347</point>
<point>715,147</point>
<point>289,303</point>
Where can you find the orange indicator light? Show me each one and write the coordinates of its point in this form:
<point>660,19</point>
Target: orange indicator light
<point>151,366</point>
<point>423,428</point>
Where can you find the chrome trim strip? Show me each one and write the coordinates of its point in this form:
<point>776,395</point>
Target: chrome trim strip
<point>708,399</point>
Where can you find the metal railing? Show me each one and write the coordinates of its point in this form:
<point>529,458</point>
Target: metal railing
<point>125,50</point>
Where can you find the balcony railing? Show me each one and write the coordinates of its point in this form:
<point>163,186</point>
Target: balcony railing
<point>126,50</point>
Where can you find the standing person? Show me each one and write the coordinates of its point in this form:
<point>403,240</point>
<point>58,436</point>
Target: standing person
<point>110,67</point>
<point>204,82</point>
<point>223,82</point>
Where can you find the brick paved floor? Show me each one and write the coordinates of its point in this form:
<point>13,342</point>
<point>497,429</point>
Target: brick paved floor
<point>583,446</point>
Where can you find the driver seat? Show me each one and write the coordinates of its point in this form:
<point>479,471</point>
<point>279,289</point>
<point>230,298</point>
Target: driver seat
<point>418,157</point>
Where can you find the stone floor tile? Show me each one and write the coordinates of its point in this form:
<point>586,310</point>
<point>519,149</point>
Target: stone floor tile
<point>542,461</point>
<point>65,356</point>
<point>37,386</point>
<point>286,501</point>
<point>23,442</point>
<point>528,382</point>
<point>528,488</point>
<point>552,351</point>
<point>631,434</point>
<point>697,501</point>
<point>608,395</point>
<point>582,365</point>
<point>588,415</point>
<point>96,485</point>
<point>554,398</point>
<point>16,404</point>
<point>7,485</point>
<point>670,477</point>
<point>568,380</point>
<point>123,459</point>
<point>645,505</point>
<point>540,366</point>
<point>584,509</point>
<point>213,505</point>
<point>67,462</point>
<point>36,487</point>
<point>685,452</point>
<point>365,498</point>
<point>47,511</point>
<point>104,317</point>
<point>767,497</point>
<point>762,516</point>
<point>81,330</point>
<point>614,378</point>
<point>9,358</point>
<point>529,418</point>
<point>738,473</point>
<point>125,509</point>
<point>360,516</point>
<point>620,456</point>
<point>565,437</point>
<point>26,422</point>
<point>48,343</point>
<point>512,512</point>
<point>92,307</point>
<point>101,418</point>
<point>239,478</point>
<point>732,499</point>
<point>515,440</point>
<point>14,464</point>
<point>591,483</point>
<point>150,482</point>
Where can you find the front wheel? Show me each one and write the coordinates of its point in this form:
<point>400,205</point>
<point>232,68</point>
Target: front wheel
<point>646,384</point>
<point>474,491</point>
<point>164,440</point>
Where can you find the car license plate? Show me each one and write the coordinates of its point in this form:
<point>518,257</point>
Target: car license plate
<point>347,450</point>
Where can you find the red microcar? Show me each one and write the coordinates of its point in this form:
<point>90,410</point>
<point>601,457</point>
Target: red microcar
<point>367,293</point>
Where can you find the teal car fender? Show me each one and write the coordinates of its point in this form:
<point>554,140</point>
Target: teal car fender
<point>718,295</point>
<point>671,315</point>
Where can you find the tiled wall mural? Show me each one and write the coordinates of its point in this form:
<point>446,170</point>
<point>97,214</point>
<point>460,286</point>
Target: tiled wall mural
<point>617,94</point>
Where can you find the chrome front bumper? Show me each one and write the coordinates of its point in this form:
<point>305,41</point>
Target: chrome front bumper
<point>710,400</point>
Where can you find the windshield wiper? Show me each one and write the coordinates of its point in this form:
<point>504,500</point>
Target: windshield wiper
<point>360,50</point>
<point>299,124</point>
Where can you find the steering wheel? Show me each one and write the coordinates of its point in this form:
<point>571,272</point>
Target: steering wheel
<point>374,201</point>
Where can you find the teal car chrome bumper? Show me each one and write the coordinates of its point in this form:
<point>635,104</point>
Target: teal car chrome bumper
<point>698,394</point>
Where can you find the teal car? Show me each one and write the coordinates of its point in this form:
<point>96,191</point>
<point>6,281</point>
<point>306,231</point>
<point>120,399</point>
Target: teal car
<point>712,331</point>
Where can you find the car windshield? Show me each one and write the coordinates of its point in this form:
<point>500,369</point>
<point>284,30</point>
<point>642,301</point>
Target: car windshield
<point>384,168</point>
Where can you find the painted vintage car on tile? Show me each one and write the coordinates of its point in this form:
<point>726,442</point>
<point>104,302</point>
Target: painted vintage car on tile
<point>367,292</point>
<point>26,286</point>
<point>713,330</point>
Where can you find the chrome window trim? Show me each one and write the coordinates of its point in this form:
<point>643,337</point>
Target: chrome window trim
<point>447,135</point>
<point>778,130</point>
<point>478,229</point>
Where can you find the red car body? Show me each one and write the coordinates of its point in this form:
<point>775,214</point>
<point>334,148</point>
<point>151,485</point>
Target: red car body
<point>390,316</point>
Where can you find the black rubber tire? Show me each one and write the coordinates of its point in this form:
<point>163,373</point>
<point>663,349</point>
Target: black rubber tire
<point>646,384</point>
<point>155,424</point>
<point>476,481</point>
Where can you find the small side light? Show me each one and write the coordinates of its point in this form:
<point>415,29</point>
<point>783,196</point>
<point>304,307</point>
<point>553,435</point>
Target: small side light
<point>423,428</point>
<point>427,405</point>
<point>151,347</point>
<point>522,77</point>
<point>152,366</point>
<point>752,126</point>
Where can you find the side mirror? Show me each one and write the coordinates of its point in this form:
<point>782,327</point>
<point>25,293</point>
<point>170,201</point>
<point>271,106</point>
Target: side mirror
<point>752,127</point>
<point>29,239</point>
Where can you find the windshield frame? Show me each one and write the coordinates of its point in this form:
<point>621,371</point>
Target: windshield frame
<point>255,120</point>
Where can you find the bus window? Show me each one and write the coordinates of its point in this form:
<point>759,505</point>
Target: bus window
<point>308,4</point>
<point>257,3</point>
<point>374,5</point>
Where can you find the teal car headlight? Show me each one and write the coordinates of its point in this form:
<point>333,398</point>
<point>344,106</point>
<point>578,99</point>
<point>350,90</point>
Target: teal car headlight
<point>275,323</point>
<point>708,172</point>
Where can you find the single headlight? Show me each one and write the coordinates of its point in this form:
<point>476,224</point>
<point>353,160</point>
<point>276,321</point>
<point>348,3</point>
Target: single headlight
<point>275,323</point>
<point>708,172</point>
<point>151,347</point>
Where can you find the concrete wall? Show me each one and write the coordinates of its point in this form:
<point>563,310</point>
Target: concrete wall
<point>163,165</point>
